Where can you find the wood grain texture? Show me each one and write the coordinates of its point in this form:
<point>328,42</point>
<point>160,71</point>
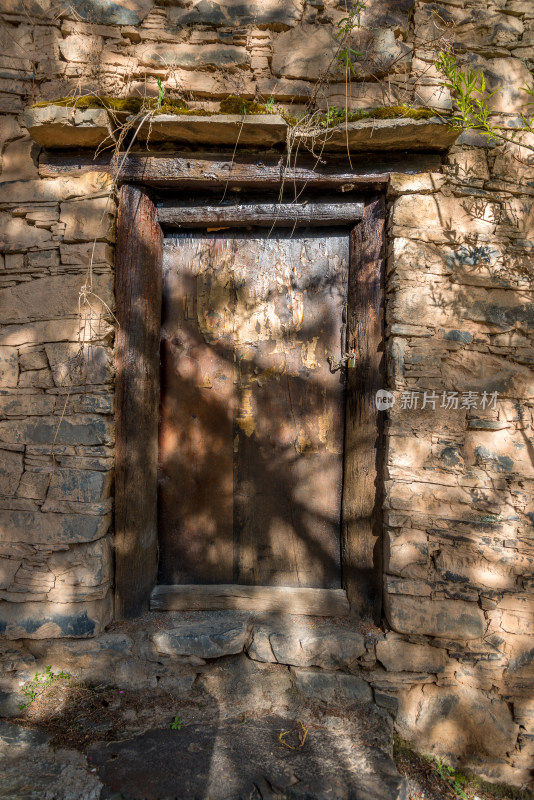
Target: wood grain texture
<point>361,527</point>
<point>138,290</point>
<point>281,599</point>
<point>196,450</point>
<point>279,215</point>
<point>251,431</point>
<point>248,170</point>
<point>289,432</point>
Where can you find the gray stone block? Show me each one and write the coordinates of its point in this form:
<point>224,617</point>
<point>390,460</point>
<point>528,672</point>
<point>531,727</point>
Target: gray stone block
<point>78,429</point>
<point>107,12</point>
<point>387,701</point>
<point>27,404</point>
<point>8,569</point>
<point>10,703</point>
<point>9,367</point>
<point>188,56</point>
<point>278,14</point>
<point>16,234</point>
<point>36,378</point>
<point>112,12</point>
<point>209,638</point>
<point>87,219</point>
<point>11,466</point>
<point>456,721</point>
<point>73,365</point>
<point>34,484</point>
<point>80,485</point>
<point>246,684</point>
<point>53,620</point>
<point>49,298</point>
<point>14,735</point>
<point>332,686</point>
<point>398,655</point>
<point>433,617</point>
<point>263,130</point>
<point>328,646</point>
<point>305,52</point>
<point>36,527</point>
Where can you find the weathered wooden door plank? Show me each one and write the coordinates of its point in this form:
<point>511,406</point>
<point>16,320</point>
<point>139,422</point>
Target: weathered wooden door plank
<point>138,290</point>
<point>281,599</point>
<point>361,528</point>
<point>289,442</point>
<point>196,449</point>
<point>282,214</point>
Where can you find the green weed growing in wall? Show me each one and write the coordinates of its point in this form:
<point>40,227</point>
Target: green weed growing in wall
<point>472,96</point>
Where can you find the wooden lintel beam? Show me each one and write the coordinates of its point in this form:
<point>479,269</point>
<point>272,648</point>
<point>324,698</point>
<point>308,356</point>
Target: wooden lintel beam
<point>282,214</point>
<point>250,170</point>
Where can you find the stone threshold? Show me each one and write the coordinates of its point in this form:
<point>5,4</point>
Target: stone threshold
<point>60,127</point>
<point>274,638</point>
<point>279,599</point>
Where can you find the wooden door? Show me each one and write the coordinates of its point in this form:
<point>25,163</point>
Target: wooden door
<point>252,418</point>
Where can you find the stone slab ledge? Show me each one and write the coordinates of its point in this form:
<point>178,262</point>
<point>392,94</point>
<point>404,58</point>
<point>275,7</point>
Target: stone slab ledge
<point>434,135</point>
<point>59,127</point>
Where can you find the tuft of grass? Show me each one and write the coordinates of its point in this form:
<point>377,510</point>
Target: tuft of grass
<point>500,791</point>
<point>40,683</point>
<point>234,104</point>
<point>417,767</point>
<point>448,774</point>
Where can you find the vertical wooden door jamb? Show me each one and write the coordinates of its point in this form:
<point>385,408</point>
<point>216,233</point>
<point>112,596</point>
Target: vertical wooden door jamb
<point>138,293</point>
<point>361,541</point>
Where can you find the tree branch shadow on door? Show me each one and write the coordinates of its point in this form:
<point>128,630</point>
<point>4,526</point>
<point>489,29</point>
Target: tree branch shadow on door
<point>272,443</point>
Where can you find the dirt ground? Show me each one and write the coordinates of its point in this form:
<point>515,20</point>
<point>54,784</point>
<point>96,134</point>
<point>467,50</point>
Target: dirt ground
<point>76,716</point>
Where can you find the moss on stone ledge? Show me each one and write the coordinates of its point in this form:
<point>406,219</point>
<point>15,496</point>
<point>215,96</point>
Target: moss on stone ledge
<point>336,116</point>
<point>126,105</point>
<point>237,105</point>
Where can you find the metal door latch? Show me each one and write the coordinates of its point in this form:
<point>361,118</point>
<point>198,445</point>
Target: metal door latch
<point>347,359</point>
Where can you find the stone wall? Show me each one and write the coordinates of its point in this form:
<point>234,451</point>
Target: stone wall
<point>459,546</point>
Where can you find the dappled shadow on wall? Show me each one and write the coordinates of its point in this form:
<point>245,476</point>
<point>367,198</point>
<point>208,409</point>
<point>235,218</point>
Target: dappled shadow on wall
<point>470,514</point>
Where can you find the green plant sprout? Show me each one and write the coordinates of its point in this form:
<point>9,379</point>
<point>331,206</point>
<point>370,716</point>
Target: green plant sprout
<point>176,724</point>
<point>471,95</point>
<point>161,93</point>
<point>346,27</point>
<point>40,682</point>
<point>346,52</point>
<point>448,774</point>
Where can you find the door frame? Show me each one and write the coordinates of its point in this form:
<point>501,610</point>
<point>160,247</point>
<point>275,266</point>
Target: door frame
<point>139,249</point>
